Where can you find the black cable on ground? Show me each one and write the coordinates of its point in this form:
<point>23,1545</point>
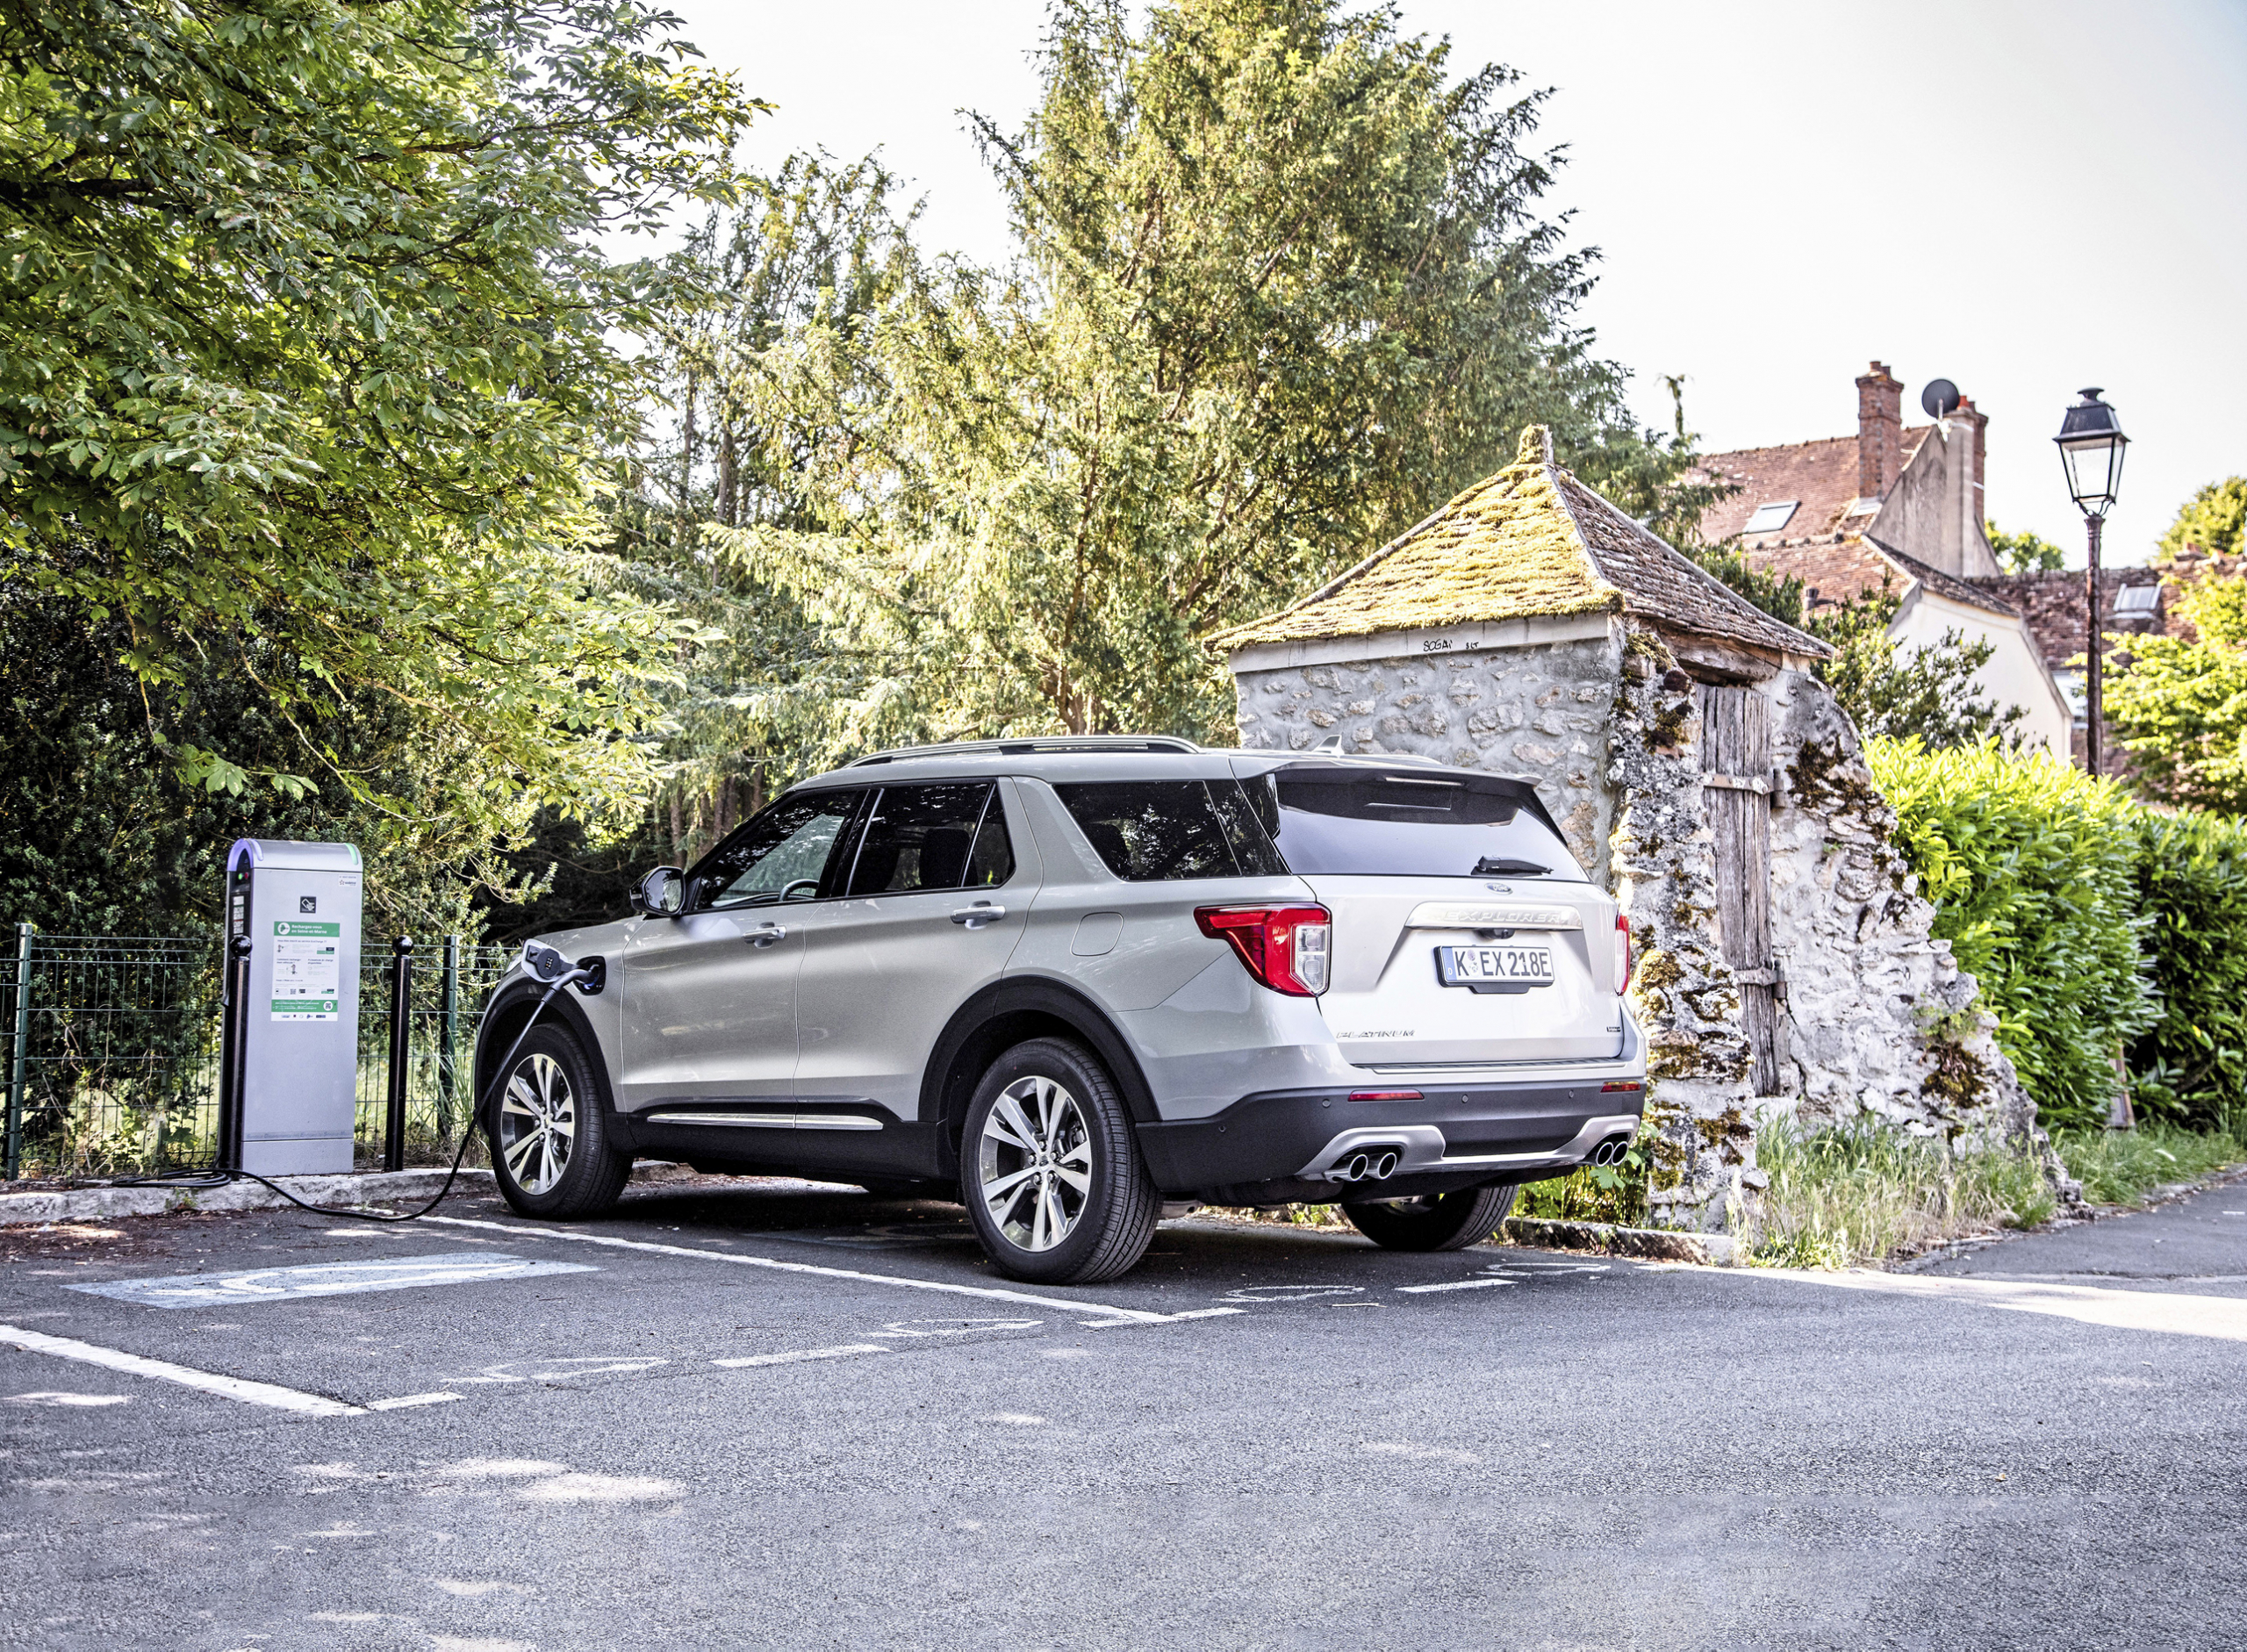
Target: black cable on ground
<point>223,1178</point>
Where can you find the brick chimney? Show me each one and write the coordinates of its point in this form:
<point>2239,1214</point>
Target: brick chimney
<point>1978,505</point>
<point>1880,432</point>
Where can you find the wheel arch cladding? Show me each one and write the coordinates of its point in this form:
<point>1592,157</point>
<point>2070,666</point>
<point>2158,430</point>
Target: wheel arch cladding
<point>510,1010</point>
<point>1001,1016</point>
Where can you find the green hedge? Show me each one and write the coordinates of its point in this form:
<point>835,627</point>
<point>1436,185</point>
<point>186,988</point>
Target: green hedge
<point>2191,1067</point>
<point>2034,870</point>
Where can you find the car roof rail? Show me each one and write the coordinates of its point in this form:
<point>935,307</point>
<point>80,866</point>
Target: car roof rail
<point>1033,745</point>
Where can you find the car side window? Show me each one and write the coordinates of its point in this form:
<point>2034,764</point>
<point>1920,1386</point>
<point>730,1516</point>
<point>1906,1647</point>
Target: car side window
<point>781,854</point>
<point>1153,831</point>
<point>941,836</point>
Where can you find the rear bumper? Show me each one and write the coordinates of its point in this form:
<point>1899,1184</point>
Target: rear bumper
<point>1285,1146</point>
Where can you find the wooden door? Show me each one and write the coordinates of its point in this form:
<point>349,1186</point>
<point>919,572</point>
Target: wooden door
<point>1736,783</point>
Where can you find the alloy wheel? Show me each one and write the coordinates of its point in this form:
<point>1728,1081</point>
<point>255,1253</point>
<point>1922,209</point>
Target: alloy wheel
<point>538,1122</point>
<point>1034,1163</point>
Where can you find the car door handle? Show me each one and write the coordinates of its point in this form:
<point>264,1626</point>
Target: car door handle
<point>767,935</point>
<point>976,917</point>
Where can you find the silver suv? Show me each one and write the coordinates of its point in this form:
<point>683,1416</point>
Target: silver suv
<point>1067,980</point>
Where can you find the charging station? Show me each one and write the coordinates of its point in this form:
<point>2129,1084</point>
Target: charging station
<point>289,1059</point>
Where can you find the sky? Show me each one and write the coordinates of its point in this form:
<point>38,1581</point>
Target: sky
<point>2025,196</point>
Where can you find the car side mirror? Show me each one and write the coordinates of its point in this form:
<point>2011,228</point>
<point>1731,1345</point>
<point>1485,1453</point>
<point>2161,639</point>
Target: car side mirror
<point>661,894</point>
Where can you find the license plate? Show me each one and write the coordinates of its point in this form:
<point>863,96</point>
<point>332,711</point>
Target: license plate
<point>1499,968</point>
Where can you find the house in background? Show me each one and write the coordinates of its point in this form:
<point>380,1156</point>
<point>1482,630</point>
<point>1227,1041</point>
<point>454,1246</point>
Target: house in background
<point>2132,602</point>
<point>1899,506</point>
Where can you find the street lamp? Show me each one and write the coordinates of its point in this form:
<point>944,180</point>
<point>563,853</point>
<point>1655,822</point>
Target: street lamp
<point>2090,442</point>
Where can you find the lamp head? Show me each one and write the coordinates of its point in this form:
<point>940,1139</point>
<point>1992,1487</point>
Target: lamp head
<point>2092,444</point>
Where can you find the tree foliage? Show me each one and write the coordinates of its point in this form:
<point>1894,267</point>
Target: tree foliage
<point>786,287</point>
<point>1282,288</point>
<point>2191,1065</point>
<point>2032,865</point>
<point>305,341</point>
<point>2213,521</point>
<point>99,834</point>
<point>2179,703</point>
<point>1927,695</point>
<point>1779,595</point>
<point>2024,552</point>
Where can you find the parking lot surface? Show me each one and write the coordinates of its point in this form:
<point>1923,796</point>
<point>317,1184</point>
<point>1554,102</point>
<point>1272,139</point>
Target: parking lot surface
<point>762,1413</point>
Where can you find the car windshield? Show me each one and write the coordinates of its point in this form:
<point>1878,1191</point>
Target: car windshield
<point>1397,823</point>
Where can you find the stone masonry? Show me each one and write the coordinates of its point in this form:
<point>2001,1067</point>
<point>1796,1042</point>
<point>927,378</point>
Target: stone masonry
<point>1879,1020</point>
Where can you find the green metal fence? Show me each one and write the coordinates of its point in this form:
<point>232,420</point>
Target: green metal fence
<point>109,1046</point>
<point>448,985</point>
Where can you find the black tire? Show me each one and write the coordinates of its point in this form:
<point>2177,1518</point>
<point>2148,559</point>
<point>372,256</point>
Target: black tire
<point>572,1172</point>
<point>1106,1227</point>
<point>1444,1221</point>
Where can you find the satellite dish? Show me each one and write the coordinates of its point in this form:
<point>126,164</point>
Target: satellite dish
<point>1940,399</point>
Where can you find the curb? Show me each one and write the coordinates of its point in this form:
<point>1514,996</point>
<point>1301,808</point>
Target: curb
<point>84,1204</point>
<point>1709,1250</point>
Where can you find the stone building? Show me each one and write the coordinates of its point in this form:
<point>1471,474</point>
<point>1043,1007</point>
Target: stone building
<point>1698,770</point>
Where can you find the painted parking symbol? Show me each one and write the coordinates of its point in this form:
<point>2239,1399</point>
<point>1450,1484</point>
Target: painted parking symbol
<point>246,1286</point>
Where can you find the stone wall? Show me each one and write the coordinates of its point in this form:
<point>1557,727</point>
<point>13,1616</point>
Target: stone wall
<point>1877,1019</point>
<point>1538,713</point>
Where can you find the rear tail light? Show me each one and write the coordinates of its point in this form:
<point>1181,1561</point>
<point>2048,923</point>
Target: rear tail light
<point>1623,959</point>
<point>1285,947</point>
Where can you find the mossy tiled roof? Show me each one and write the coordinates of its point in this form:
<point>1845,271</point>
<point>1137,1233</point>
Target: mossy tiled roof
<point>1531,541</point>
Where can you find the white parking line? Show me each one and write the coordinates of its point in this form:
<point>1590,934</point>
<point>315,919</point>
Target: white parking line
<point>1114,1315</point>
<point>286,1399</point>
<point>2177,1313</point>
<point>801,1354</point>
<point>404,1400</point>
<point>1456,1284</point>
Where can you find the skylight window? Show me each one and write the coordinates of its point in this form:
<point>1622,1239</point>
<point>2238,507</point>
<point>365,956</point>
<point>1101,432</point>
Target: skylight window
<point>2137,602</point>
<point>1769,518</point>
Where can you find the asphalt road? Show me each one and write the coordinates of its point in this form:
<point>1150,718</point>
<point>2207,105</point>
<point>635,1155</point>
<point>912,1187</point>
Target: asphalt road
<point>753,1424</point>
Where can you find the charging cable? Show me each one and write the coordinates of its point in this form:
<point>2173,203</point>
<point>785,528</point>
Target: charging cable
<point>544,964</point>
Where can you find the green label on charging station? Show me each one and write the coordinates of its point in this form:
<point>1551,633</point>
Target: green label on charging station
<point>307,970</point>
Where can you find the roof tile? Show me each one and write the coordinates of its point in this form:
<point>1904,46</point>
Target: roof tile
<point>1532,540</point>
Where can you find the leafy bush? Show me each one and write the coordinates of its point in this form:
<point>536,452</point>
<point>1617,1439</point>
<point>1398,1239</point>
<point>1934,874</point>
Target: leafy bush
<point>2033,869</point>
<point>2191,1065</point>
<point>1863,1192</point>
<point>1925,694</point>
<point>2121,1166</point>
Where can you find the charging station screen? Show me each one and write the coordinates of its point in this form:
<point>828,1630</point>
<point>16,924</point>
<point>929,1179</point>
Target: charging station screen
<point>307,970</point>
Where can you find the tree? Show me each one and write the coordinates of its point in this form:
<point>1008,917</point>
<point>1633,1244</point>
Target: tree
<point>1926,695</point>
<point>2213,521</point>
<point>786,283</point>
<point>1779,595</point>
<point>2024,552</point>
<point>2179,703</point>
<point>1282,288</point>
<point>305,341</point>
<point>98,834</point>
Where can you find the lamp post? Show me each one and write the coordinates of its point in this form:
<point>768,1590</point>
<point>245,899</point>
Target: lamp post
<point>2090,442</point>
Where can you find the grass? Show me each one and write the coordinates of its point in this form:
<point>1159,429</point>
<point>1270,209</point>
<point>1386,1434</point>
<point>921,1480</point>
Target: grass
<point>1862,1193</point>
<point>2121,1166</point>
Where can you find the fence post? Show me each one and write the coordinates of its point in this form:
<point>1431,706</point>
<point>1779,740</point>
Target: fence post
<point>15,1141</point>
<point>448,1030</point>
<point>401,1023</point>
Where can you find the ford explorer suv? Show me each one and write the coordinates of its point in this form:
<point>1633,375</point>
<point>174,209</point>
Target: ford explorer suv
<point>1070,980</point>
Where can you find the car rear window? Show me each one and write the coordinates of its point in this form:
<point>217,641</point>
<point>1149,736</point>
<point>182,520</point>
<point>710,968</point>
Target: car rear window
<point>1400,824</point>
<point>1151,831</point>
